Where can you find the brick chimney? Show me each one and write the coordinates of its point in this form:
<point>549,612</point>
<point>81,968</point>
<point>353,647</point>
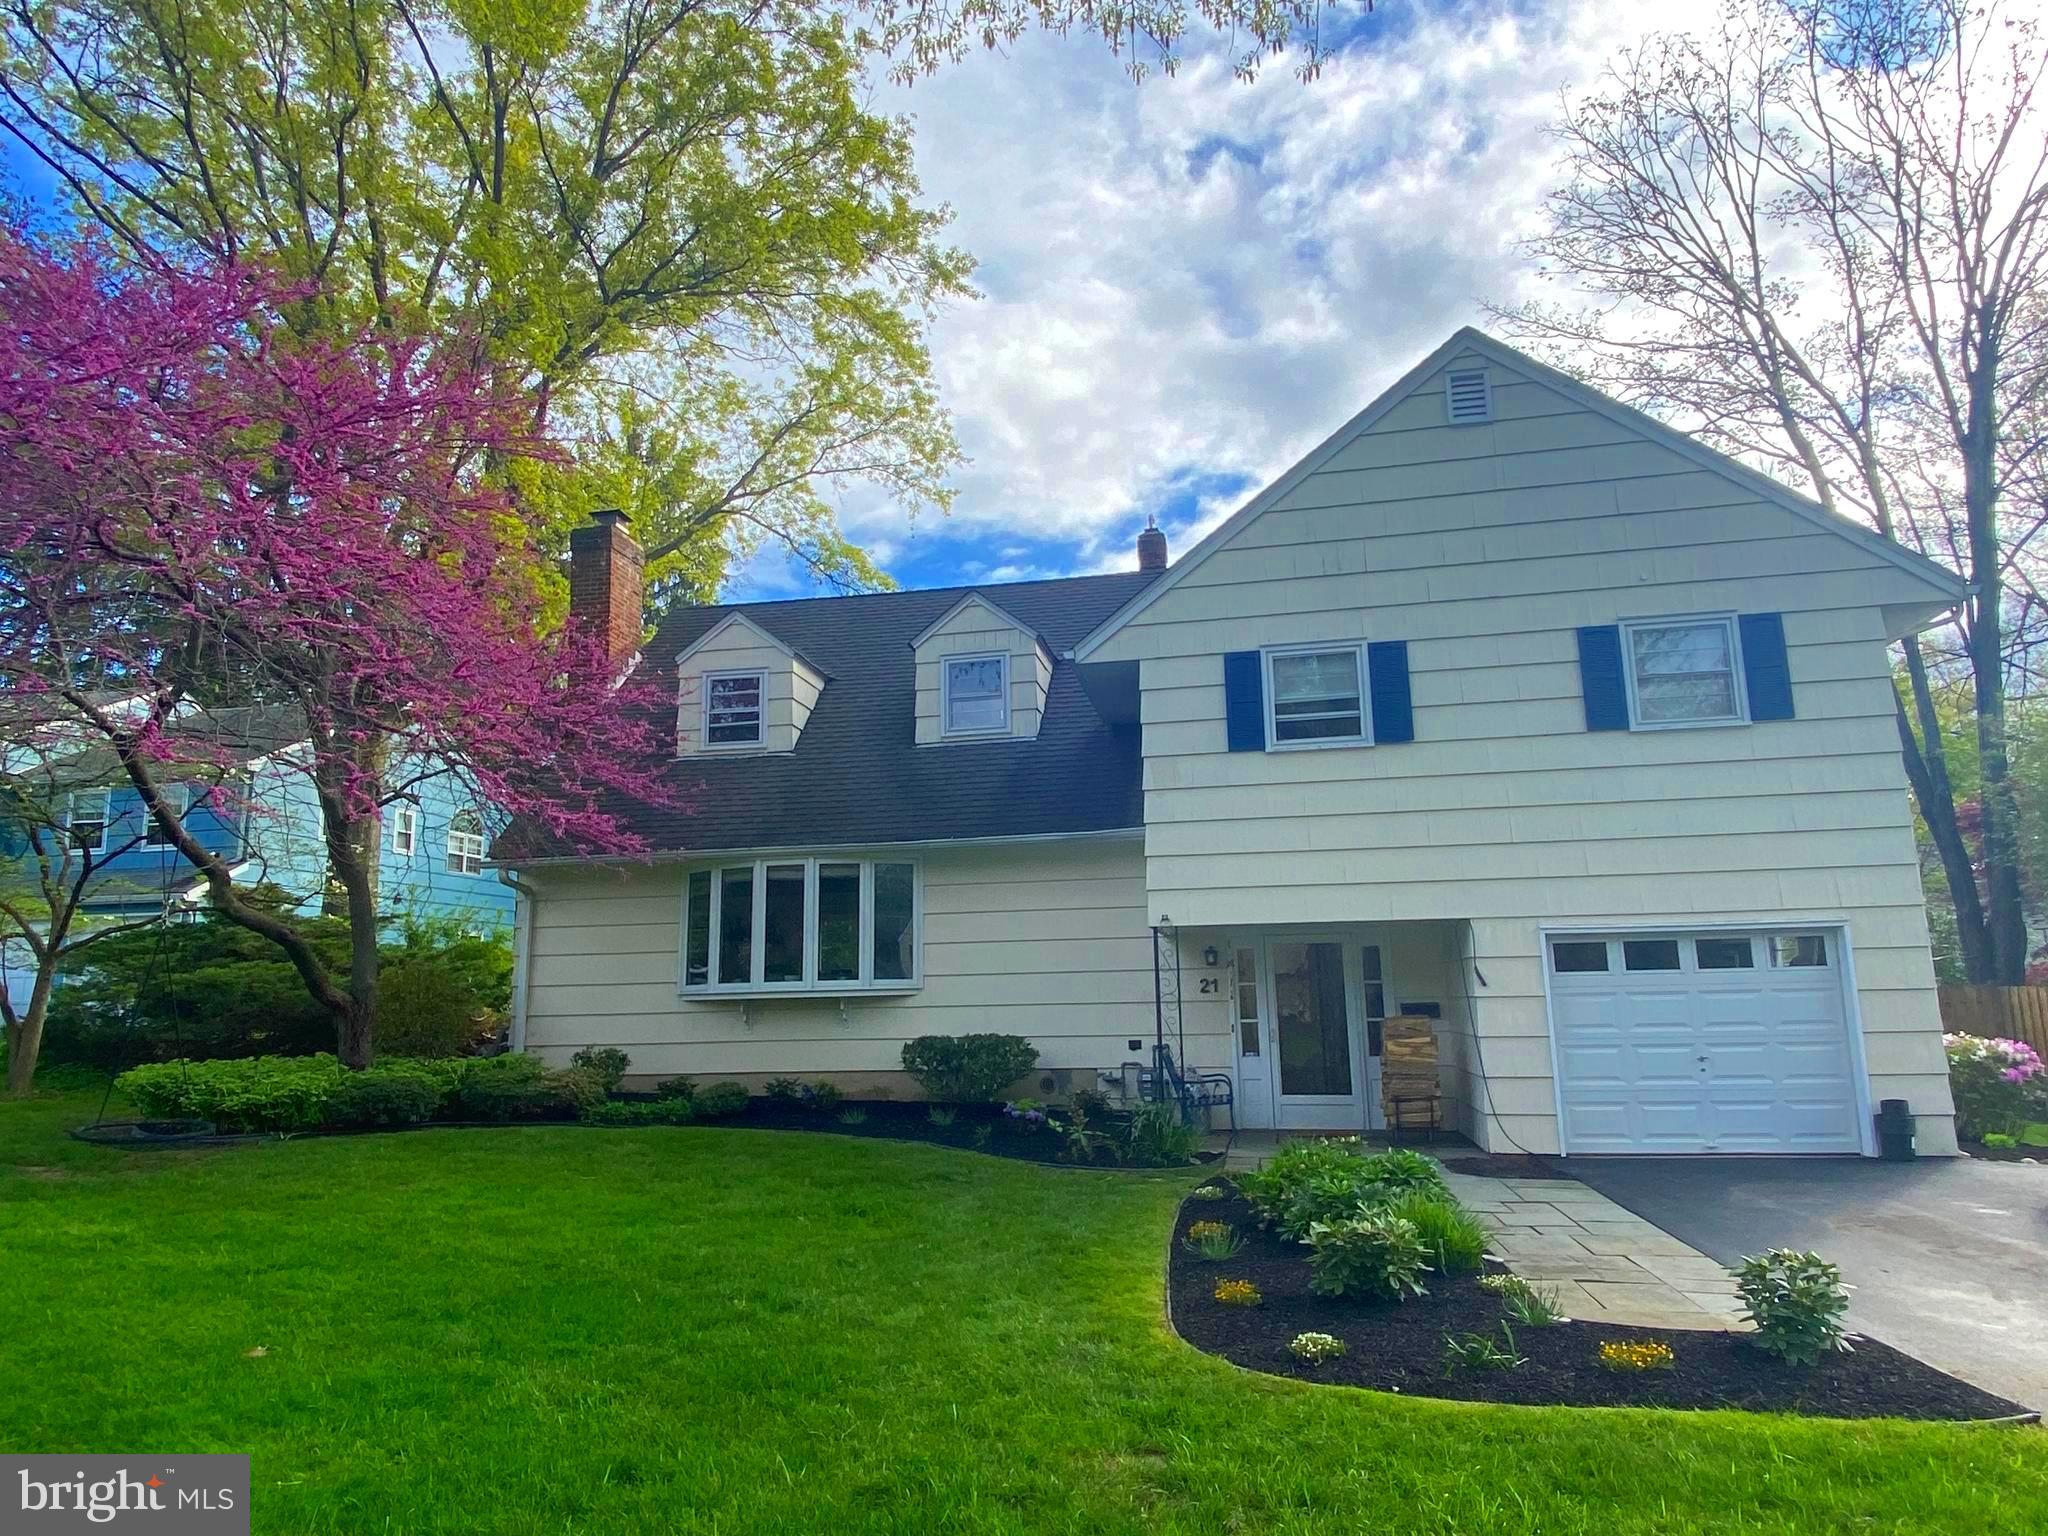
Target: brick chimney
<point>1151,547</point>
<point>604,581</point>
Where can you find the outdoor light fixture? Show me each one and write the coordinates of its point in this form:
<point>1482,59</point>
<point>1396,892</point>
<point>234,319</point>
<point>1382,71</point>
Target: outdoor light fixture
<point>1209,956</point>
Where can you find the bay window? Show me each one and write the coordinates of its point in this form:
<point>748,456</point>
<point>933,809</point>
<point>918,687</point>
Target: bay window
<point>801,925</point>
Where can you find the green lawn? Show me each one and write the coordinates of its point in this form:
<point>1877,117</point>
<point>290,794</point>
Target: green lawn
<point>568,1330</point>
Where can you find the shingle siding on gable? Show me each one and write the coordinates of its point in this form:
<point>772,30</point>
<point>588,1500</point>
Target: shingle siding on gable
<point>1486,548</point>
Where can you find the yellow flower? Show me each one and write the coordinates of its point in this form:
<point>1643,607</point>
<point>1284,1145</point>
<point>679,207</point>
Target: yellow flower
<point>1237,1293</point>
<point>1201,1229</point>
<point>1631,1355</point>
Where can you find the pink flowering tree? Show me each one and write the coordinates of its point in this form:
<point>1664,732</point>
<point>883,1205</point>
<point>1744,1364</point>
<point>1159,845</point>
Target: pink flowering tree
<point>197,508</point>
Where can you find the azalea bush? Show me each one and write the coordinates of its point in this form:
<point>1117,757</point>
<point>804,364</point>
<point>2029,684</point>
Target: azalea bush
<point>2000,1086</point>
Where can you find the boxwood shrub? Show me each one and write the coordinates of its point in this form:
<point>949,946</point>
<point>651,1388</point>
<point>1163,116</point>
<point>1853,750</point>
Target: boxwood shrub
<point>383,1097</point>
<point>251,1093</point>
<point>968,1069</point>
<point>303,1093</point>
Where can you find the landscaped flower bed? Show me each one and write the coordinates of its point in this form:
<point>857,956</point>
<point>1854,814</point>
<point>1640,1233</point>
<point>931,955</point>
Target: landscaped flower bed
<point>1401,1346</point>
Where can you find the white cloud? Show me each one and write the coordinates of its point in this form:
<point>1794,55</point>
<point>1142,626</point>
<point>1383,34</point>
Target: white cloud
<point>1199,278</point>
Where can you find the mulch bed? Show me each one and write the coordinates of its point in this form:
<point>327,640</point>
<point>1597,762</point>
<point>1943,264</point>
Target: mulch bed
<point>887,1121</point>
<point>2021,1154</point>
<point>1400,1347</point>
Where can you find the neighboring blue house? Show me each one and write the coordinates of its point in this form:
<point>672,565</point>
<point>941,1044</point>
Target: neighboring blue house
<point>433,842</point>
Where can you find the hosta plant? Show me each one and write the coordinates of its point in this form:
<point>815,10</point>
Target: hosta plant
<point>1796,1300</point>
<point>1315,1348</point>
<point>1375,1257</point>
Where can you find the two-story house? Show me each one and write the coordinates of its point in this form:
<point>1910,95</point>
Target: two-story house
<point>1508,707</point>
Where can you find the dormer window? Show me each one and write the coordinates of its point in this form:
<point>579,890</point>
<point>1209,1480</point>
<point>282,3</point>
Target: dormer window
<point>977,694</point>
<point>732,709</point>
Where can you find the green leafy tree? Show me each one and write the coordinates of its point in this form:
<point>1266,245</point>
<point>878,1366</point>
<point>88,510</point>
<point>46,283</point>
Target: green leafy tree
<point>675,226</point>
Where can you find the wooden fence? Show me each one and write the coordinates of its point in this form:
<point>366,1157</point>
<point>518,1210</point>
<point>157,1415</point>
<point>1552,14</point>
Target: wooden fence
<point>2017,1013</point>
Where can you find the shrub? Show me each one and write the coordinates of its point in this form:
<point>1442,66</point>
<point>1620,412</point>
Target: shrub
<point>1479,1352</point>
<point>257,1093</point>
<point>981,1136</point>
<point>427,1010</point>
<point>782,1090</point>
<point>606,1065</point>
<point>821,1096</point>
<point>853,1117</point>
<point>1999,1141</point>
<point>1315,1348</point>
<point>718,1101</point>
<point>1031,1115</point>
<point>381,1096</point>
<point>1796,1301</point>
<point>1237,1293</point>
<point>1451,1235</point>
<point>1213,1241</point>
<point>1156,1137</point>
<point>1375,1256</point>
<point>939,1116</point>
<point>1272,1187</point>
<point>1092,1102</point>
<point>1400,1171</point>
<point>522,1088</point>
<point>641,1112</point>
<point>1637,1355</point>
<point>676,1088</point>
<point>1999,1085</point>
<point>968,1069</point>
<point>1326,1196</point>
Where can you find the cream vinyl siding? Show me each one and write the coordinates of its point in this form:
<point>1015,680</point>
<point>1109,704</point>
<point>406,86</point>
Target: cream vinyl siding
<point>1046,940</point>
<point>789,687</point>
<point>977,628</point>
<point>1485,548</point>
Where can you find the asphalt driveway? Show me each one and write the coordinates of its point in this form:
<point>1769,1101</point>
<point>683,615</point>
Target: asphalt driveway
<point>1949,1256</point>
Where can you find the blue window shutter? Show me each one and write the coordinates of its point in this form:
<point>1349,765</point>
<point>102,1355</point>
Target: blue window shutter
<point>1393,714</point>
<point>1244,701</point>
<point>1600,678</point>
<point>1766,673</point>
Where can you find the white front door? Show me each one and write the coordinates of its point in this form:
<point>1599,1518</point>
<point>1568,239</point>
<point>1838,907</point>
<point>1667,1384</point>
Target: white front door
<point>1703,1042</point>
<point>1323,999</point>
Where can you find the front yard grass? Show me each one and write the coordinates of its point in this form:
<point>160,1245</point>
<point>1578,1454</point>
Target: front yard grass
<point>693,1330</point>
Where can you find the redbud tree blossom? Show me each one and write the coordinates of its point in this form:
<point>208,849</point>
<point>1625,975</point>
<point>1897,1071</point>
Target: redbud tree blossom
<point>197,508</point>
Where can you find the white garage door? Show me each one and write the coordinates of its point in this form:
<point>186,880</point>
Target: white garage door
<point>1711,1042</point>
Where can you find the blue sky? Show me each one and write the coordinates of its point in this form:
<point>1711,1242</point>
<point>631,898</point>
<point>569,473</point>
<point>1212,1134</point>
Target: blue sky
<point>1186,284</point>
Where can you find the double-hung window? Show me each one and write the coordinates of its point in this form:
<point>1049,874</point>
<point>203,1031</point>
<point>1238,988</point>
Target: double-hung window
<point>466,842</point>
<point>177,800</point>
<point>1316,696</point>
<point>405,830</point>
<point>1683,671</point>
<point>799,925</point>
<point>86,817</point>
<point>976,694</point>
<point>732,709</point>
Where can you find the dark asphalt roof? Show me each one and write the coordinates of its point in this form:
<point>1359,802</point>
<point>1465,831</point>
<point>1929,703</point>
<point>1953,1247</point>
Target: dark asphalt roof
<point>857,774</point>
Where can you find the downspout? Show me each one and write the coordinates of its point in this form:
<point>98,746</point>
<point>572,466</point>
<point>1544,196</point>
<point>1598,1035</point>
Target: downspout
<point>524,897</point>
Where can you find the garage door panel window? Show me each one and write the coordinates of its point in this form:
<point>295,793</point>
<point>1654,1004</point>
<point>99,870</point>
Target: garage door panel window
<point>1794,951</point>
<point>1722,954</point>
<point>1650,954</point>
<point>1578,956</point>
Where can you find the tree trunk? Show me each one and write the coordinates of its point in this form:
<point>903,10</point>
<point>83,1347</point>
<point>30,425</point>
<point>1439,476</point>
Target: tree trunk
<point>1927,773</point>
<point>25,1039</point>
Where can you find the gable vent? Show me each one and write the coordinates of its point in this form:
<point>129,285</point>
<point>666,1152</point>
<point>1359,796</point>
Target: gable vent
<point>1469,397</point>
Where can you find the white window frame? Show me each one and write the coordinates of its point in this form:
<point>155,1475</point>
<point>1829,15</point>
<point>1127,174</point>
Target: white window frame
<point>946,665</point>
<point>760,681</point>
<point>810,985</point>
<point>459,859</point>
<point>105,797</point>
<point>405,830</point>
<point>1737,678</point>
<point>1321,648</point>
<point>179,798</point>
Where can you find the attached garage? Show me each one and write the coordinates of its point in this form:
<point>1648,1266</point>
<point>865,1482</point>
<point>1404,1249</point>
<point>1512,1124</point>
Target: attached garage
<point>1679,1042</point>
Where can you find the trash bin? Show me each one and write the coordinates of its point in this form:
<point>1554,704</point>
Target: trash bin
<point>1895,1126</point>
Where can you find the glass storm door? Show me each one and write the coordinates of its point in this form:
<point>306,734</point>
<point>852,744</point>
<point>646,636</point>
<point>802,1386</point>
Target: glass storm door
<point>1319,1070</point>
